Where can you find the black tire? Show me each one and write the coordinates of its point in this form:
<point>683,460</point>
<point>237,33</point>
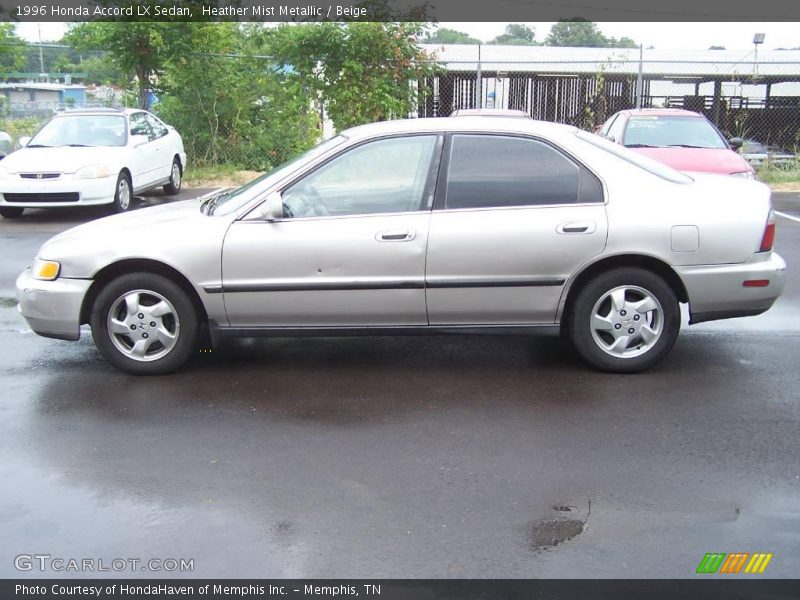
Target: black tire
<point>11,212</point>
<point>636,284</point>
<point>123,194</point>
<point>150,286</point>
<point>175,178</point>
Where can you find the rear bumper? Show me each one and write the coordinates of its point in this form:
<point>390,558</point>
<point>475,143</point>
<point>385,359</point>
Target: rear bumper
<point>717,291</point>
<point>52,308</point>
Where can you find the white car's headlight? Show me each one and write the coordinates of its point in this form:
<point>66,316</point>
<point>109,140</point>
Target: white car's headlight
<point>46,270</point>
<point>92,172</point>
<point>745,174</point>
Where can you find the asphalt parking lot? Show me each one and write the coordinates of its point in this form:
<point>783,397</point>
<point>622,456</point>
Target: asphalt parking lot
<point>404,457</point>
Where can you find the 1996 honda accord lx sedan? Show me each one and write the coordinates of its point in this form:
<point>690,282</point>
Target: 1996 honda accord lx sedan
<point>461,225</point>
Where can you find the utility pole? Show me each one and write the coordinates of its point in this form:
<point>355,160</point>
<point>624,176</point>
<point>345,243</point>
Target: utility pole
<point>41,57</point>
<point>639,86</point>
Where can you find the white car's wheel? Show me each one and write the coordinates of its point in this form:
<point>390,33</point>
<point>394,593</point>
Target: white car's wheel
<point>123,194</point>
<point>144,324</point>
<point>11,212</point>
<point>625,320</point>
<point>175,178</point>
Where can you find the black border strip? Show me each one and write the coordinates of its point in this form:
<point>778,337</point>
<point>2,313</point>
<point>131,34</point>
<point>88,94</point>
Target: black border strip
<point>382,285</point>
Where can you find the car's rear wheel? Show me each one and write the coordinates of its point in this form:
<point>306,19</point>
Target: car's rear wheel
<point>123,194</point>
<point>175,178</point>
<point>11,212</point>
<point>144,324</point>
<point>625,320</point>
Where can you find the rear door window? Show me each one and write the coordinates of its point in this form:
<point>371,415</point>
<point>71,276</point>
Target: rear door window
<point>501,171</point>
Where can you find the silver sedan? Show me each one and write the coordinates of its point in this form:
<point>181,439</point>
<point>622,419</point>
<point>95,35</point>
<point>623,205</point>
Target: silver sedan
<point>462,225</point>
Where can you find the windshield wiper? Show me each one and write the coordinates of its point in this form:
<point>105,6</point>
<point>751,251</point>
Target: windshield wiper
<point>212,202</point>
<point>687,146</point>
<point>78,145</point>
<point>640,146</point>
<point>38,146</point>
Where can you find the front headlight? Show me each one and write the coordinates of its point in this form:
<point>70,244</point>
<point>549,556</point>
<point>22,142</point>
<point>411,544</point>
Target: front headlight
<point>93,172</point>
<point>46,270</point>
<point>745,174</point>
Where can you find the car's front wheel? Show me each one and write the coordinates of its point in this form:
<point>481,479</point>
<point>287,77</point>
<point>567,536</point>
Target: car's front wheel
<point>175,177</point>
<point>144,324</point>
<point>11,212</point>
<point>625,320</point>
<point>123,194</point>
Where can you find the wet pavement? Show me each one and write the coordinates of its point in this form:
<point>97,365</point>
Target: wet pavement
<point>404,457</point>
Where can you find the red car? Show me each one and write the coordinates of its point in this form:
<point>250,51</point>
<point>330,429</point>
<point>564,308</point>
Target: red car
<point>682,139</point>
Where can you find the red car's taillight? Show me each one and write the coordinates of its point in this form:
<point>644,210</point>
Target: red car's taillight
<point>769,234</point>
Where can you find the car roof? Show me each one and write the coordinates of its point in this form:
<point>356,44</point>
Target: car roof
<point>455,124</point>
<point>88,111</point>
<point>660,112</point>
<point>491,112</point>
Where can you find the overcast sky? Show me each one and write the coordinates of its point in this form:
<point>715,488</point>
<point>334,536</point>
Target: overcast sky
<point>664,36</point>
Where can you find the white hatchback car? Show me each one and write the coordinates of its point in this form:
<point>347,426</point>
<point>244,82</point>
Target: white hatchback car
<point>92,156</point>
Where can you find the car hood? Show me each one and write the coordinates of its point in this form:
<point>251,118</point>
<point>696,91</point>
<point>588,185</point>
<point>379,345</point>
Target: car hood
<point>707,160</point>
<point>64,159</point>
<point>136,222</point>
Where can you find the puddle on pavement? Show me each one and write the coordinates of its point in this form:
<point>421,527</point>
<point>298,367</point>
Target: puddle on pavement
<point>550,532</point>
<point>8,302</point>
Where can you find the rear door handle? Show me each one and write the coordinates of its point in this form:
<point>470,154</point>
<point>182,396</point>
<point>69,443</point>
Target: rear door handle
<point>574,227</point>
<point>395,235</point>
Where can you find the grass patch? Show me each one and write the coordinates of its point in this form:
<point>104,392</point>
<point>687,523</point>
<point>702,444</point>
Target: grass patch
<point>791,175</point>
<point>785,178</point>
<point>217,176</point>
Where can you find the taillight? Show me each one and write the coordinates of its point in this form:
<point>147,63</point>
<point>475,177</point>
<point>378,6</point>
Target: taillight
<point>769,234</point>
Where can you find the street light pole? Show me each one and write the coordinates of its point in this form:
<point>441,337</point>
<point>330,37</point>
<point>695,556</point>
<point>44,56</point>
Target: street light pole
<point>758,39</point>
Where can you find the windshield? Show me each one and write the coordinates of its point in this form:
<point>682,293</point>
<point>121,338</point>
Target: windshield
<point>639,160</point>
<point>81,130</point>
<point>753,148</point>
<point>230,201</point>
<point>664,132</point>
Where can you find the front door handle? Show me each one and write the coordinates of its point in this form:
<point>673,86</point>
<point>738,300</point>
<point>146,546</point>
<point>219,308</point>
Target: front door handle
<point>575,227</point>
<point>395,235</point>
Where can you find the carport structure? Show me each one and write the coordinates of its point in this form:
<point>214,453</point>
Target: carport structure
<point>757,99</point>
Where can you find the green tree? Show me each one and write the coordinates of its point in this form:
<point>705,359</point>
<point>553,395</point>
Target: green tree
<point>232,106</point>
<point>140,50</point>
<point>444,35</point>
<point>516,34</point>
<point>12,49</point>
<point>361,71</point>
<point>582,33</point>
<point>623,42</point>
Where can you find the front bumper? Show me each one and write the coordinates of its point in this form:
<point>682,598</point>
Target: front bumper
<point>717,291</point>
<point>52,308</point>
<point>46,193</point>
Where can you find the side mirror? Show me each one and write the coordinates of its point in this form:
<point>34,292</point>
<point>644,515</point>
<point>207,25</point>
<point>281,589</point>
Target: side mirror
<point>138,140</point>
<point>272,209</point>
<point>610,138</point>
<point>24,140</point>
<point>736,143</point>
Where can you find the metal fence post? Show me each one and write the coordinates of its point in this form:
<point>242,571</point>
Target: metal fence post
<point>479,83</point>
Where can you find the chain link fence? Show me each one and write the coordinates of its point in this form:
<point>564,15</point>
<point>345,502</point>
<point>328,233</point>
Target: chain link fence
<point>757,101</point>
